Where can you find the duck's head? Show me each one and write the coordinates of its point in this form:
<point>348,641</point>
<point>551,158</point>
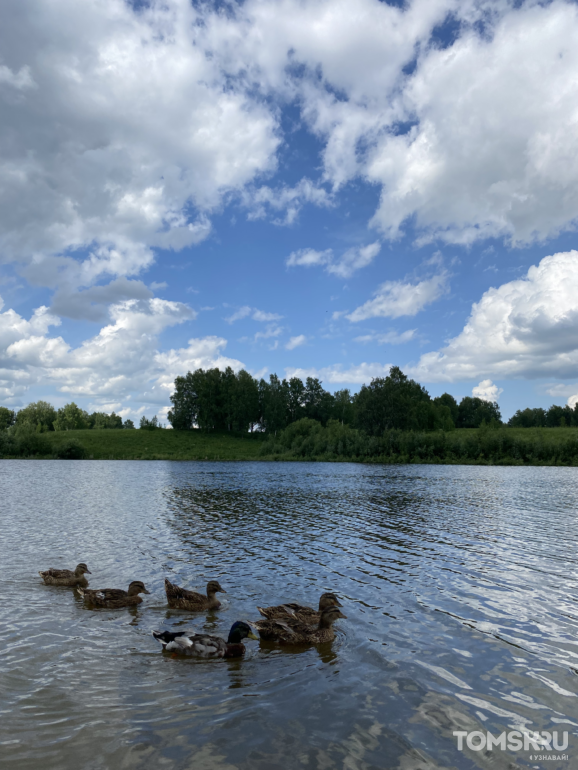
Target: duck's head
<point>328,600</point>
<point>213,587</point>
<point>329,616</point>
<point>81,569</point>
<point>137,587</point>
<point>239,631</point>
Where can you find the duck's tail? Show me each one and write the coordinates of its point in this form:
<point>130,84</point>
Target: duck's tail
<point>80,590</point>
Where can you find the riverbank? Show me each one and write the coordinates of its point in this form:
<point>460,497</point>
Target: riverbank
<point>307,442</point>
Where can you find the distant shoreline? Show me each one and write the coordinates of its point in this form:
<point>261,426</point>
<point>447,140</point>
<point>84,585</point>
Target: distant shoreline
<point>505,446</point>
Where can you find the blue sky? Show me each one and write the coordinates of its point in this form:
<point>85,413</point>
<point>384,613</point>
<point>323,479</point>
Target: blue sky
<point>313,187</point>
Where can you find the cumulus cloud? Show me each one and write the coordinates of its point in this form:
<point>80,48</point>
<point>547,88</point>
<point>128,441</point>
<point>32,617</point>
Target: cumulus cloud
<point>389,338</point>
<point>394,299</point>
<point>99,157</point>
<point>354,375</point>
<point>524,328</point>
<point>121,363</point>
<point>487,391</point>
<point>352,260</point>
<point>296,342</point>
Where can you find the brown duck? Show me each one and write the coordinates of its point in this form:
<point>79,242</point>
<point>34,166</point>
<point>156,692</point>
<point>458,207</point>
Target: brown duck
<point>113,598</point>
<point>293,631</point>
<point>66,577</point>
<point>299,612</point>
<point>181,599</point>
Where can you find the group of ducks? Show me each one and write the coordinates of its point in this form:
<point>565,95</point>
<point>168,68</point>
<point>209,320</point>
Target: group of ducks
<point>285,623</point>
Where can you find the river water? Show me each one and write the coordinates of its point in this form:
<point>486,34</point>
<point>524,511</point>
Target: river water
<point>459,585</point>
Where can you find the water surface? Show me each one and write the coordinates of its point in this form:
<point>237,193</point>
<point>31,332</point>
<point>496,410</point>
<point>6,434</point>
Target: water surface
<point>459,583</point>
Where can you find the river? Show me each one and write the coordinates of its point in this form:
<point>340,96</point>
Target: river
<point>459,584</point>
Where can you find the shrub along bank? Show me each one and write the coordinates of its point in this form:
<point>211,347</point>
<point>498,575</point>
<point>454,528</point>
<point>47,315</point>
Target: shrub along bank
<point>306,440</point>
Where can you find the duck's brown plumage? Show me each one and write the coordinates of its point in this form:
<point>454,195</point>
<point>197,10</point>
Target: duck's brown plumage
<point>66,577</point>
<point>114,598</point>
<point>293,631</point>
<point>300,612</point>
<point>182,599</point>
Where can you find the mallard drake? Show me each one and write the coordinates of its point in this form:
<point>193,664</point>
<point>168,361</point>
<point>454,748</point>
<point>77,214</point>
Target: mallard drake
<point>293,631</point>
<point>66,577</point>
<point>204,645</point>
<point>181,599</point>
<point>112,598</point>
<point>298,611</point>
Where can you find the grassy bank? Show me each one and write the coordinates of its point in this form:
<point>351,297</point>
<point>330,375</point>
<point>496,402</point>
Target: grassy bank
<point>161,444</point>
<point>307,440</point>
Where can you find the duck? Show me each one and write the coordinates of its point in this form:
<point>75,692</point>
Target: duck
<point>292,631</point>
<point>181,599</point>
<point>113,598</point>
<point>206,646</point>
<point>66,577</point>
<point>300,612</point>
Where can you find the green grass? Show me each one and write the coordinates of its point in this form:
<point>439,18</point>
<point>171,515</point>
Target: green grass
<point>196,445</point>
<point>161,444</point>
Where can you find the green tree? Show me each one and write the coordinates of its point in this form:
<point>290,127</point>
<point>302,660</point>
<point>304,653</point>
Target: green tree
<point>7,417</point>
<point>146,424</point>
<point>273,397</point>
<point>71,417</point>
<point>185,400</point>
<point>39,415</point>
<point>390,402</point>
<point>448,400</point>
<point>317,402</point>
<point>343,409</point>
<point>556,414</point>
<point>472,411</point>
<point>295,400</point>
<point>528,418</point>
<point>246,402</point>
<point>128,425</point>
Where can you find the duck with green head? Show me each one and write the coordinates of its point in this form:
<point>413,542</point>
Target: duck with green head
<point>205,645</point>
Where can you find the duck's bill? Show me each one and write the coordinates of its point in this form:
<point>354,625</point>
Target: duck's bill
<point>222,591</point>
<point>88,572</point>
<point>252,635</point>
<point>146,592</point>
<point>338,603</point>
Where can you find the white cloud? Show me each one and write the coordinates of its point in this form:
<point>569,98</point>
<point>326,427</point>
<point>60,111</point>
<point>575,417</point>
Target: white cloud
<point>119,364</point>
<point>394,299</point>
<point>99,157</point>
<point>296,342</point>
<point>352,260</point>
<point>271,331</point>
<point>524,328</point>
<point>389,338</point>
<point>157,285</point>
<point>573,400</point>
<point>309,258</point>
<point>355,375</point>
<point>254,313</point>
<point>487,391</point>
<point>263,200</point>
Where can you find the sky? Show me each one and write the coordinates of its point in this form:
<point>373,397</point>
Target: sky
<point>316,188</point>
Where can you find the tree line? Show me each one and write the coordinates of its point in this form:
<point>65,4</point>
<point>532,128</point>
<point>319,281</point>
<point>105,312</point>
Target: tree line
<point>215,400</point>
<point>42,417</point>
